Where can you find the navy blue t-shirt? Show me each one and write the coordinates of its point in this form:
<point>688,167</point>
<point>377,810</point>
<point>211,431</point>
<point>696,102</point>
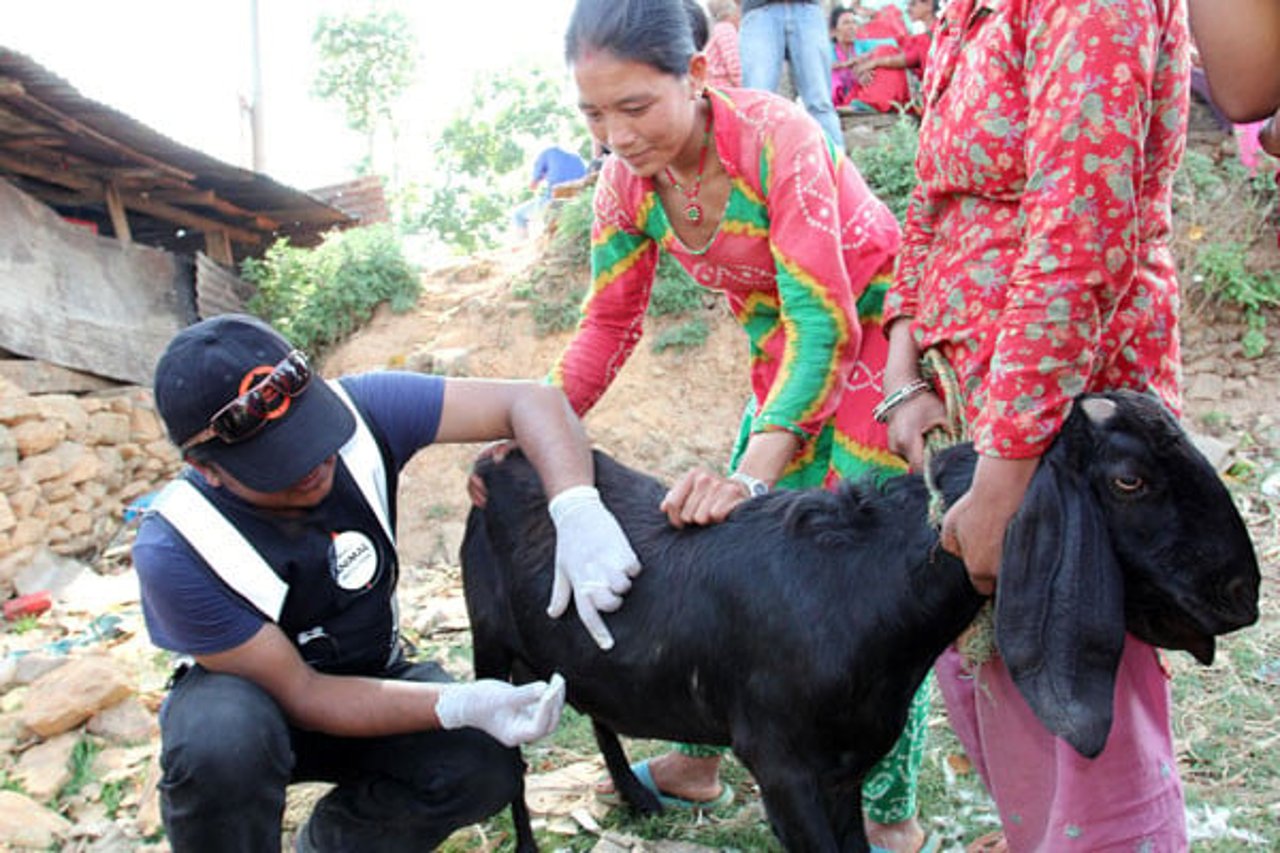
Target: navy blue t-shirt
<point>189,610</point>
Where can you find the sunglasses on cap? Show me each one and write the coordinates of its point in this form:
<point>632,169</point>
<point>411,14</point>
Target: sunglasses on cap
<point>244,416</point>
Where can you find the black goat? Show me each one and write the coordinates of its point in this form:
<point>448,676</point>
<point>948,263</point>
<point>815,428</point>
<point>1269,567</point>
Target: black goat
<point>798,630</point>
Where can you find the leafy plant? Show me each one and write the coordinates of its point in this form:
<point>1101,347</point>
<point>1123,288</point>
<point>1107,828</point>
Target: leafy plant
<point>82,756</point>
<point>554,313</point>
<point>316,297</point>
<point>112,796</point>
<point>1226,276</point>
<point>889,166</point>
<point>689,334</point>
<point>674,290</point>
<point>572,238</point>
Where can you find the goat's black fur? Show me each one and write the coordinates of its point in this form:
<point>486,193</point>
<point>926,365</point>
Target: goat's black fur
<point>798,630</point>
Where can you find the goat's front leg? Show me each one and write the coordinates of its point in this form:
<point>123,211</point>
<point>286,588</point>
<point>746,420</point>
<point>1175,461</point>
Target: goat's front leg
<point>625,782</point>
<point>844,807</point>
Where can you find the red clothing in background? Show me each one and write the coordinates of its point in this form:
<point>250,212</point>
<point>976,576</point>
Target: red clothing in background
<point>724,67</point>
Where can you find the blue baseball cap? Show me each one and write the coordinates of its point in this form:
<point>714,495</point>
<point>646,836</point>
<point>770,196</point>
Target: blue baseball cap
<point>209,364</point>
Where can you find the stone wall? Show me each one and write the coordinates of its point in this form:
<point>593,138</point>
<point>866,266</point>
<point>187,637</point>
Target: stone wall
<point>70,465</point>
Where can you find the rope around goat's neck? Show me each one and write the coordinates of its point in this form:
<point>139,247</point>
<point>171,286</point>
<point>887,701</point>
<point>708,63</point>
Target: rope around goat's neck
<point>977,644</point>
<point>939,371</point>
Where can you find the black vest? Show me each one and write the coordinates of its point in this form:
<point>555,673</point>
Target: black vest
<point>328,577</point>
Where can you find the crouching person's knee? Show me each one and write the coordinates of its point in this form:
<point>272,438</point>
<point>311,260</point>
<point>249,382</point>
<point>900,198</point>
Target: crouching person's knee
<point>225,749</point>
<point>495,778</point>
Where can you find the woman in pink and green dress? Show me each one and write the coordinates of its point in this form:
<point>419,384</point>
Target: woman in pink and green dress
<point>745,192</point>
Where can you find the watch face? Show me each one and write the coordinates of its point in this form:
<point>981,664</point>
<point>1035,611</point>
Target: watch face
<point>755,488</point>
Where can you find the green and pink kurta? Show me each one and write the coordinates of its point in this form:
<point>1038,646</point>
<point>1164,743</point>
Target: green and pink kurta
<point>804,254</point>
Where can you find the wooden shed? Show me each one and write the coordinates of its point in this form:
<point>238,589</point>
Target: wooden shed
<point>116,236</point>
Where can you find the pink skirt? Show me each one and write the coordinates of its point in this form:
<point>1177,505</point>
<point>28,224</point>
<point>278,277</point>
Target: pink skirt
<point>1050,798</point>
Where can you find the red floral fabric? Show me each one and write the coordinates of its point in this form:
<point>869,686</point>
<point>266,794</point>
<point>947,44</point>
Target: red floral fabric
<point>1036,252</point>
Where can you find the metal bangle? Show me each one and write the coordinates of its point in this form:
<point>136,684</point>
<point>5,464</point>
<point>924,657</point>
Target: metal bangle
<point>907,392</point>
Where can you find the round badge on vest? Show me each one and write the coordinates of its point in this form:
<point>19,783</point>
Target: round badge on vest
<point>355,560</point>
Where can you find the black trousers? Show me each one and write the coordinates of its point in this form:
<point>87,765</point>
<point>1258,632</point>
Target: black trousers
<point>228,753</point>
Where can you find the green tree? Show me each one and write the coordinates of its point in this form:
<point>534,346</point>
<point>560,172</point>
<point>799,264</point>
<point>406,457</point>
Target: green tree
<point>367,61</point>
<point>482,157</point>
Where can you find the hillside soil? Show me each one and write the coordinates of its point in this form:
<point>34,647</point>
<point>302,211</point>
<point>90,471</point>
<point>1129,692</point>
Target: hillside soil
<point>670,410</point>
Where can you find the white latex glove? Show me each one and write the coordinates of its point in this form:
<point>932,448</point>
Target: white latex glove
<point>594,560</point>
<point>511,715</point>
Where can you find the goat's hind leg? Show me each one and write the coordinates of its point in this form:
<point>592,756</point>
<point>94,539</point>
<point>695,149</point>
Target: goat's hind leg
<point>798,799</point>
<point>634,794</point>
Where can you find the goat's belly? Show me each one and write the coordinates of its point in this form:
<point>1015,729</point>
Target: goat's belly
<point>652,713</point>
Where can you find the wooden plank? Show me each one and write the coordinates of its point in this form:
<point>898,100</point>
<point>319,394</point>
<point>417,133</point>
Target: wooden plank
<point>210,199</point>
<point>41,377</point>
<point>119,218</point>
<point>168,212</point>
<point>137,202</point>
<point>61,177</point>
<point>217,245</point>
<point>72,298</point>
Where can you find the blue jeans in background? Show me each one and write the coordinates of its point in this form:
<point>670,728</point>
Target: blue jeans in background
<point>796,32</point>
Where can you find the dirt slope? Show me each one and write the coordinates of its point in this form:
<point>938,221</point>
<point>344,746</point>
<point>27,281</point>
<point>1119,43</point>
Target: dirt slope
<point>669,410</point>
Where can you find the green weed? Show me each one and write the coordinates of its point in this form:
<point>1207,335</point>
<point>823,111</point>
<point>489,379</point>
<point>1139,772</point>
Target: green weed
<point>113,795</point>
<point>316,297</point>
<point>1225,275</point>
<point>686,335</point>
<point>82,756</point>
<point>889,166</point>
<point>674,290</point>
<point>554,286</point>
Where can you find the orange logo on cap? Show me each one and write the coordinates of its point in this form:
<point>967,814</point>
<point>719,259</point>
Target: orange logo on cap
<point>274,404</point>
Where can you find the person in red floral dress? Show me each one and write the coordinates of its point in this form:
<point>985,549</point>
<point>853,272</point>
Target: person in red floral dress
<point>1036,261</point>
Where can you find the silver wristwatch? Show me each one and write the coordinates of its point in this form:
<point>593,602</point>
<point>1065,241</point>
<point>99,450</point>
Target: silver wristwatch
<point>755,487</point>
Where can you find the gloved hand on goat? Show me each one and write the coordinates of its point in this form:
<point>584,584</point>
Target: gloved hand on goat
<point>594,560</point>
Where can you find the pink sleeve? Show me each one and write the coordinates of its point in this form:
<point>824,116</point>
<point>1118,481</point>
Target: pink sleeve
<point>622,268</point>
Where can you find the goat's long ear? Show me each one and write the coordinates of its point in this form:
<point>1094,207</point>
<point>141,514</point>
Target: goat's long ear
<point>1060,606</point>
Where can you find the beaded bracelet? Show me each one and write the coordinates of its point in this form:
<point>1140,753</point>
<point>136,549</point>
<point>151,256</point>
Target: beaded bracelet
<point>907,392</point>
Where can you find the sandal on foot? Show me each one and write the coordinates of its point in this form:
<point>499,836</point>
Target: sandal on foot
<point>669,801</point>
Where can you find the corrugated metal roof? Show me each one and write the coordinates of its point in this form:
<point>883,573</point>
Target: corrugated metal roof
<point>67,150</point>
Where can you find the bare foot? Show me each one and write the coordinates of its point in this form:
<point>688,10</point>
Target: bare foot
<point>904,837</point>
<point>680,775</point>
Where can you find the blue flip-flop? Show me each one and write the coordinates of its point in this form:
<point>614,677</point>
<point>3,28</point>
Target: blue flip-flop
<point>641,769</point>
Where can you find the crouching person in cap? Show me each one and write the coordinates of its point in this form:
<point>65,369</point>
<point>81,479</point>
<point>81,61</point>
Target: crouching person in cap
<point>270,562</point>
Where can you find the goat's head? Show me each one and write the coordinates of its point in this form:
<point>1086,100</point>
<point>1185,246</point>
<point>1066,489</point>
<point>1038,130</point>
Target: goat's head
<point>1125,525</point>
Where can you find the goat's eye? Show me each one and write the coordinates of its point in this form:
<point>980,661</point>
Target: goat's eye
<point>1127,484</point>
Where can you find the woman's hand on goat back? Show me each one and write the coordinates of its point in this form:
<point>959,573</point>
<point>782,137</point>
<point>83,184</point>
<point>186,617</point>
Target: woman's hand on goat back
<point>702,496</point>
<point>497,450</point>
<point>911,422</point>
<point>973,529</point>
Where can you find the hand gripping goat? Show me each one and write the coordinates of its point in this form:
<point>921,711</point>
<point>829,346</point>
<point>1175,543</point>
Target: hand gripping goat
<point>798,630</point>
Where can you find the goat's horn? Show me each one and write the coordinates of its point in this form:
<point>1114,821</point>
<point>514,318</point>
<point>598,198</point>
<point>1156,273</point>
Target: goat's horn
<point>1098,409</point>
